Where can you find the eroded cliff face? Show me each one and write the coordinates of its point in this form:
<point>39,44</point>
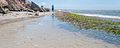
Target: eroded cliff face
<point>13,4</point>
<point>33,6</point>
<point>3,6</point>
<point>17,5</point>
<point>3,3</point>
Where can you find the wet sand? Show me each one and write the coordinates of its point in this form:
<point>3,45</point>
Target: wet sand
<point>46,32</point>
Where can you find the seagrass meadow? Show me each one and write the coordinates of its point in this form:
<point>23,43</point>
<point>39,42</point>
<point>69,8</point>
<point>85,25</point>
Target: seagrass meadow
<point>87,22</point>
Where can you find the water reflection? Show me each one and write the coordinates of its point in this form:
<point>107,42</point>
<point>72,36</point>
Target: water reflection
<point>47,29</point>
<point>107,37</point>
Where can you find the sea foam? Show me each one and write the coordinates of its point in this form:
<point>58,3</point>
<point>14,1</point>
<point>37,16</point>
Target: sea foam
<point>98,15</point>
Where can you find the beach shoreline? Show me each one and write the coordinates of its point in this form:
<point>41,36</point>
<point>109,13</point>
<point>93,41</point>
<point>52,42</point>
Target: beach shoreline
<point>45,32</point>
<point>89,22</point>
<point>20,16</point>
<point>101,16</point>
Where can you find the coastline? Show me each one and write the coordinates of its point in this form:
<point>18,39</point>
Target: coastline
<point>45,33</point>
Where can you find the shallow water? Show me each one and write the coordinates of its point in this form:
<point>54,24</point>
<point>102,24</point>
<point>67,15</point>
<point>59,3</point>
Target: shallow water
<point>49,32</point>
<point>97,12</point>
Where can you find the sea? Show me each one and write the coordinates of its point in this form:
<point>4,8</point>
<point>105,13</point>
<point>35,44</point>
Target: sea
<point>106,14</point>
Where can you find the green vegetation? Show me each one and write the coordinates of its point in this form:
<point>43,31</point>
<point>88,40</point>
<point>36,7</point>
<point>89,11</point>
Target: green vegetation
<point>86,22</point>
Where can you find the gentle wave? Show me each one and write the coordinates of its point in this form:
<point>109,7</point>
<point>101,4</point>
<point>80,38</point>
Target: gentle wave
<point>102,16</point>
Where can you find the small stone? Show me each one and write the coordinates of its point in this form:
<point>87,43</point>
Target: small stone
<point>36,15</point>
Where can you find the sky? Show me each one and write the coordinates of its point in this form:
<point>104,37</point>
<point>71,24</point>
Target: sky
<point>81,4</point>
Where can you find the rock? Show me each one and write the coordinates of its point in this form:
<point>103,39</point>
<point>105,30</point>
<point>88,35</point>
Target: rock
<point>35,7</point>
<point>3,6</point>
<point>18,5</point>
<point>47,9</point>
<point>15,5</point>
<point>12,5</point>
<point>36,14</point>
<point>3,3</point>
<point>29,10</point>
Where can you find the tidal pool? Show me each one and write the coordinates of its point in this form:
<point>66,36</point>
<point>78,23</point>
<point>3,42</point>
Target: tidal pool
<point>49,32</point>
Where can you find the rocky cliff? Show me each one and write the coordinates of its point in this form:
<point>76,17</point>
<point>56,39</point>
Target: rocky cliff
<point>3,3</point>
<point>17,5</point>
<point>33,6</point>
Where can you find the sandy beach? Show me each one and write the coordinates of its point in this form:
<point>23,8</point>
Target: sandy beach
<point>59,24</point>
<point>46,32</point>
